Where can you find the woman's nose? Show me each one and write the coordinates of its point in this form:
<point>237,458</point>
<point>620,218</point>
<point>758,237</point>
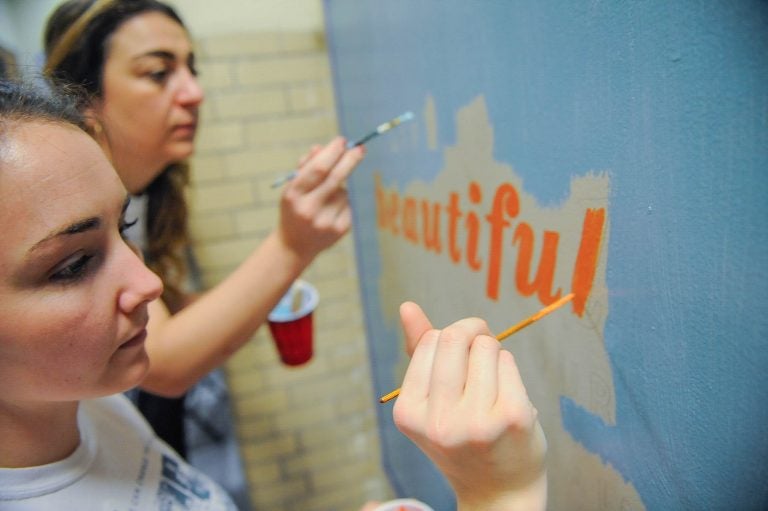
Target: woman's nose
<point>141,284</point>
<point>190,92</point>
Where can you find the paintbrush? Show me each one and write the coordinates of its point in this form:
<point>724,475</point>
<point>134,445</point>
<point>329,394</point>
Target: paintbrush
<point>506,333</point>
<point>380,129</point>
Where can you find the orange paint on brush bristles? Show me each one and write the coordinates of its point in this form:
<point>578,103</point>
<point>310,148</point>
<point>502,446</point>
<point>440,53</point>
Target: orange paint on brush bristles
<point>506,333</point>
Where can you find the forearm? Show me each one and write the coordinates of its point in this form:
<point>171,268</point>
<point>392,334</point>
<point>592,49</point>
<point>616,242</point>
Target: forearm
<point>186,346</point>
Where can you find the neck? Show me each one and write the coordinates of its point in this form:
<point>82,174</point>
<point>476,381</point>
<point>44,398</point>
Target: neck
<point>37,435</point>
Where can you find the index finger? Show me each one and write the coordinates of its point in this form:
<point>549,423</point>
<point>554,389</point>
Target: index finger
<point>327,168</point>
<point>312,151</point>
<point>340,171</point>
<point>316,166</point>
<point>450,367</point>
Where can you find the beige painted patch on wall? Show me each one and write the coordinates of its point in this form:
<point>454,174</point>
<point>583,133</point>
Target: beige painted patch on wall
<point>206,18</point>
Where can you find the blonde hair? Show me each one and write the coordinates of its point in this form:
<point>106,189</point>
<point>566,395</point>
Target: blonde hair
<point>66,41</point>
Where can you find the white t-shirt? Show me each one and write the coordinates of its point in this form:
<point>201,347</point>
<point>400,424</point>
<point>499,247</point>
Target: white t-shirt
<point>120,465</point>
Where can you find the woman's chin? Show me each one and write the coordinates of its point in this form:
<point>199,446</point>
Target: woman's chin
<point>133,374</point>
<point>181,150</point>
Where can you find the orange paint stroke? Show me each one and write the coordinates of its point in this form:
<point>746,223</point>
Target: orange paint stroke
<point>410,220</point>
<point>545,275</point>
<point>586,261</point>
<point>454,213</point>
<point>506,204</point>
<point>432,240</point>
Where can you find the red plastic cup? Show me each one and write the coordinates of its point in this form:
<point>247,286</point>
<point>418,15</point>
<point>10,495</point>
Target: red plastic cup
<point>403,505</point>
<point>291,323</point>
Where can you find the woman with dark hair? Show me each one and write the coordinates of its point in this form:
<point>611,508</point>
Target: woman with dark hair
<point>75,300</point>
<point>135,62</point>
<point>77,43</point>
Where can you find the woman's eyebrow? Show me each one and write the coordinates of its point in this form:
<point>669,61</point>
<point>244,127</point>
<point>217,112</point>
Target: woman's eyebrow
<point>87,224</point>
<point>162,54</point>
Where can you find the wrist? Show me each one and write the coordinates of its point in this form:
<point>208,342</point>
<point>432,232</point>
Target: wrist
<point>294,257</point>
<point>531,497</point>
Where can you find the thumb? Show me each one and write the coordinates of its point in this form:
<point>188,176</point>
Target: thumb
<point>415,325</point>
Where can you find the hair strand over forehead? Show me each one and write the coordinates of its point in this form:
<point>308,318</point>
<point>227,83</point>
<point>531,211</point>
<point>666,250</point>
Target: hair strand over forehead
<point>26,102</point>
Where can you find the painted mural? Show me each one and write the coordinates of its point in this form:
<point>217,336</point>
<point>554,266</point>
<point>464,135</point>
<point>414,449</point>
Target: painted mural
<point>615,151</point>
<point>464,243</point>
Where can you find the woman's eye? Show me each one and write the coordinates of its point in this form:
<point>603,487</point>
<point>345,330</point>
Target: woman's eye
<point>124,226</point>
<point>159,76</point>
<point>73,270</point>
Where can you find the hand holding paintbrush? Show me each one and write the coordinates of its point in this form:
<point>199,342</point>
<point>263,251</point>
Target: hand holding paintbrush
<point>506,333</point>
<point>314,210</point>
<point>379,130</point>
<point>464,404</point>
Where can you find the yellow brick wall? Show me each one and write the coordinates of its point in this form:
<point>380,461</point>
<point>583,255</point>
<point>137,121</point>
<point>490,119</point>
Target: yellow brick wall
<point>308,434</point>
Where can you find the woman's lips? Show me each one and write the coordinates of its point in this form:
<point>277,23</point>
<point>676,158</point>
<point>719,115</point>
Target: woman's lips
<point>136,340</point>
<point>185,130</point>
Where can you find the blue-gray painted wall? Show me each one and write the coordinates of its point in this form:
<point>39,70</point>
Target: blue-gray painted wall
<point>671,98</point>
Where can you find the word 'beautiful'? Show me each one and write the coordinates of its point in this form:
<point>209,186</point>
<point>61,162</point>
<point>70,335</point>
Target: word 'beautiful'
<point>419,222</point>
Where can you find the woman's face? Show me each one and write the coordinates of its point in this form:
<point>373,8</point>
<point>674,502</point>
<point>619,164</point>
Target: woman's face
<point>151,97</point>
<point>73,294</point>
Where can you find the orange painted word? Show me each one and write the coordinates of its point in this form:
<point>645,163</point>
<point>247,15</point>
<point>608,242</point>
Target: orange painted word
<point>420,221</point>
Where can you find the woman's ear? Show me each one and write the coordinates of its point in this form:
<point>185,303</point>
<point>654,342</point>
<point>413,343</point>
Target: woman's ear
<point>92,123</point>
<point>95,128</point>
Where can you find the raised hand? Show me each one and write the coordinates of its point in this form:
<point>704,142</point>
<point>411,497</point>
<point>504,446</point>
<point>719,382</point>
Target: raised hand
<point>314,207</point>
<point>464,404</point>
